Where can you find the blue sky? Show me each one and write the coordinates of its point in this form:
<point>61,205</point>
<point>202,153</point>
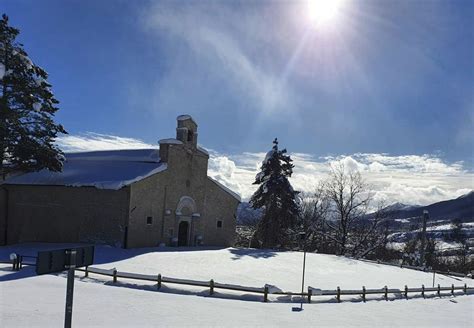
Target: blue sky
<point>392,77</point>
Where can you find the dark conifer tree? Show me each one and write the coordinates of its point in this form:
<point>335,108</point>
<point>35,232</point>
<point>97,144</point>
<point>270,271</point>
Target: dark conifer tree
<point>276,197</point>
<point>27,107</point>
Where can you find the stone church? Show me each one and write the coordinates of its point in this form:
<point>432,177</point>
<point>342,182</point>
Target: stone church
<point>126,198</point>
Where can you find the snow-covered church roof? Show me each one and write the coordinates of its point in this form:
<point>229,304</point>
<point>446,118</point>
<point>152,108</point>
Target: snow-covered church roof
<point>111,169</point>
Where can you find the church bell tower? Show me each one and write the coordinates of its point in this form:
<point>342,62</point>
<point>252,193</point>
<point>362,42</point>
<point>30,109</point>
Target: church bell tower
<point>186,132</point>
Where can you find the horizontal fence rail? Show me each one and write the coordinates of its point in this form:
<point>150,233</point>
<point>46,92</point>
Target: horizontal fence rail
<point>265,290</point>
<point>417,268</point>
<point>273,290</point>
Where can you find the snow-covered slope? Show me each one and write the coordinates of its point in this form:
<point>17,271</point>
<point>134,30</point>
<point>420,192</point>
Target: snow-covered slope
<point>256,268</point>
<point>27,300</point>
<point>253,267</point>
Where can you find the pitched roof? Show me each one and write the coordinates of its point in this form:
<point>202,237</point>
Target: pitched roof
<point>112,169</point>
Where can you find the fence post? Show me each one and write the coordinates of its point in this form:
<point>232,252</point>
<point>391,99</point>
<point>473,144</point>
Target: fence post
<point>452,289</point>
<point>115,275</point>
<point>363,293</point>
<point>406,292</point>
<point>465,288</point>
<point>338,296</point>
<point>21,262</point>
<point>86,272</point>
<point>310,293</point>
<point>159,281</point>
<point>211,287</point>
<point>386,293</point>
<point>423,291</point>
<point>439,290</point>
<point>265,294</point>
<point>14,264</point>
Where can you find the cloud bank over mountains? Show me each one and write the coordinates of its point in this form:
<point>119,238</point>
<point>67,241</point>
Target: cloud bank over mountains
<point>410,179</point>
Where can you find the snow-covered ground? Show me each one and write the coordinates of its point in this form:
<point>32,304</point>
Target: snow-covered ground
<point>27,300</point>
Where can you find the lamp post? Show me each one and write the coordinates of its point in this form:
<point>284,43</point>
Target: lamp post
<point>302,237</point>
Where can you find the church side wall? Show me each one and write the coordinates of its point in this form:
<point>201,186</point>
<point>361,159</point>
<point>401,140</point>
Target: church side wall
<point>66,214</point>
<point>146,201</point>
<point>220,206</point>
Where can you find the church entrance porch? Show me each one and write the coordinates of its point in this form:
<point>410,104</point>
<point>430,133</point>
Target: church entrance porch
<point>183,232</point>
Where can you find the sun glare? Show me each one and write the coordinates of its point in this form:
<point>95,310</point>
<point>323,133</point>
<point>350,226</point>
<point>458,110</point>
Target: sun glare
<point>323,11</point>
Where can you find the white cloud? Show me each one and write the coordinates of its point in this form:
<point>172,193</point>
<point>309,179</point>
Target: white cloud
<point>211,36</point>
<point>410,179</point>
<point>222,169</point>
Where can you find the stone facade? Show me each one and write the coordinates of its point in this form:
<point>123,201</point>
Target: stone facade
<point>180,205</point>
<point>65,214</point>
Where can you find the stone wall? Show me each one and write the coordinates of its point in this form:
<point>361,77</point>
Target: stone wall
<point>66,214</point>
<point>219,206</point>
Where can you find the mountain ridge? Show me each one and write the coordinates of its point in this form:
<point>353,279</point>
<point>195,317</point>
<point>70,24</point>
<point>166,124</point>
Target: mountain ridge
<point>460,208</point>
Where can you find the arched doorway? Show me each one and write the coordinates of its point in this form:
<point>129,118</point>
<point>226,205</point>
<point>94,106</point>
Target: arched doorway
<point>183,233</point>
<point>184,213</point>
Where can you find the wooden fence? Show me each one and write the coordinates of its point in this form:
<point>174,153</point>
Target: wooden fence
<point>272,290</point>
<point>417,268</point>
<point>265,290</point>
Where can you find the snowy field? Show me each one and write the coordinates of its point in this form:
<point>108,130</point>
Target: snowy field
<point>27,300</point>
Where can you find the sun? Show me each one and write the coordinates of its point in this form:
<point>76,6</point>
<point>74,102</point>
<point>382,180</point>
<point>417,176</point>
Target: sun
<point>323,11</point>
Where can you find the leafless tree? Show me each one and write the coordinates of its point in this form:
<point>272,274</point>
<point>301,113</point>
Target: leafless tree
<point>369,234</point>
<point>247,225</point>
<point>349,198</point>
<point>314,210</point>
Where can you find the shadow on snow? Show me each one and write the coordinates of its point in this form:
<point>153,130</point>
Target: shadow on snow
<point>103,254</point>
<point>239,253</point>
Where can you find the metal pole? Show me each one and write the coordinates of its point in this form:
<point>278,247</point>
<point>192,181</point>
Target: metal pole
<point>302,236</point>
<point>302,281</point>
<point>434,272</point>
<point>423,239</point>
<point>70,288</point>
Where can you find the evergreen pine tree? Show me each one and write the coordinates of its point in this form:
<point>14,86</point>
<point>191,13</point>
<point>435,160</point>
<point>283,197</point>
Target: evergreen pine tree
<point>276,197</point>
<point>27,107</point>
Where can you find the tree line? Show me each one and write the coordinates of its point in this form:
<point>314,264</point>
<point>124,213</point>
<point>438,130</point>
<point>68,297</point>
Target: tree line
<point>339,216</point>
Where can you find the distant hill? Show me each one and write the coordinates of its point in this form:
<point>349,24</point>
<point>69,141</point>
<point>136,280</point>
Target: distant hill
<point>401,207</point>
<point>461,208</point>
<point>246,215</point>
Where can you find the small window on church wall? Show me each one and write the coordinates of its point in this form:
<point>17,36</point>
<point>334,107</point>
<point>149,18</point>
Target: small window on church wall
<point>149,220</point>
<point>190,135</point>
<point>219,223</point>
